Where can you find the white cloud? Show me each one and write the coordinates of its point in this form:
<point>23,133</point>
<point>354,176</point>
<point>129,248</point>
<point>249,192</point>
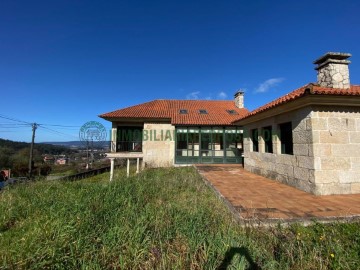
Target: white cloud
<point>265,86</point>
<point>193,95</point>
<point>222,95</point>
<point>209,96</point>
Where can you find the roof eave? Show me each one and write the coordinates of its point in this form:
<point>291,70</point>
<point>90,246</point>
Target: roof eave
<point>136,119</point>
<point>307,100</point>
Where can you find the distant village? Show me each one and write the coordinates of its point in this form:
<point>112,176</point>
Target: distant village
<point>50,160</point>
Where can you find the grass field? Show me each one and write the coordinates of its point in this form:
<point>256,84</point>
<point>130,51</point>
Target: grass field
<point>160,219</point>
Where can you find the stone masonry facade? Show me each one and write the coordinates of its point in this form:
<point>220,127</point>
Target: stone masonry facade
<point>159,146</point>
<point>326,150</point>
<point>334,75</point>
<point>296,170</point>
<point>336,149</point>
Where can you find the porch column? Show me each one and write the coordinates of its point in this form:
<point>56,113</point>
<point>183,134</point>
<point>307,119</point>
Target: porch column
<point>113,138</point>
<point>137,165</point>
<point>111,168</point>
<point>128,168</point>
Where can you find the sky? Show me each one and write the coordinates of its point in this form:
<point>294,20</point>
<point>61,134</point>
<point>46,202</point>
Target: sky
<point>62,63</point>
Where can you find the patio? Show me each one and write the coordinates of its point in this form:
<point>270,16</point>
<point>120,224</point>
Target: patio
<point>258,199</point>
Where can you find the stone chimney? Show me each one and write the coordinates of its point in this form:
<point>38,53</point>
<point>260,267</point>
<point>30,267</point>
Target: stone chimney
<point>333,70</point>
<point>239,99</point>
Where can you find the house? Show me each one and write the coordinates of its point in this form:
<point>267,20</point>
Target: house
<point>309,138</point>
<point>49,159</point>
<point>61,161</point>
<point>171,132</point>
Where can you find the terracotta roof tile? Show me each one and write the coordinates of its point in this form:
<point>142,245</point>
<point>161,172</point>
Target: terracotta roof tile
<point>170,109</point>
<point>311,89</point>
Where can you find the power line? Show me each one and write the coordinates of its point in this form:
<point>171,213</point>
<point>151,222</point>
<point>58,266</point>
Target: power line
<point>28,123</point>
<point>9,131</point>
<point>1,127</point>
<point>21,123</point>
<point>50,125</point>
<point>57,132</point>
<point>14,124</point>
<point>14,119</point>
<point>10,126</point>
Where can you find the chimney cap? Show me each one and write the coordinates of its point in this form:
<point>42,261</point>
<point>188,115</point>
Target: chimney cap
<point>239,92</point>
<point>337,56</point>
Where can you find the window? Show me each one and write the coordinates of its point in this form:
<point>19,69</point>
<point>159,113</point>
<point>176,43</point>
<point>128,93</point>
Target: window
<point>208,145</point>
<point>183,111</point>
<point>203,112</point>
<point>255,140</point>
<point>286,138</point>
<point>232,112</point>
<point>267,136</point>
<point>129,139</point>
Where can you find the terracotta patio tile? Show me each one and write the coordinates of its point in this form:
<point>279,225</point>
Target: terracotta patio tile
<point>254,196</point>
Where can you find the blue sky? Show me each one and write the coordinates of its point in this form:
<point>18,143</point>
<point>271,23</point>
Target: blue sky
<point>65,62</point>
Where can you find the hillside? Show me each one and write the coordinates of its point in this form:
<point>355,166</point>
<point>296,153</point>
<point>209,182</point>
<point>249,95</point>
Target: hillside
<point>15,155</point>
<point>159,219</point>
<point>44,148</point>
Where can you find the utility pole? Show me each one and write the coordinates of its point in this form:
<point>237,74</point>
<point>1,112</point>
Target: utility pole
<point>87,154</point>
<point>34,127</point>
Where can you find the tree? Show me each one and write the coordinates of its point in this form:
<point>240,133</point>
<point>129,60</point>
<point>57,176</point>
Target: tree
<point>5,157</point>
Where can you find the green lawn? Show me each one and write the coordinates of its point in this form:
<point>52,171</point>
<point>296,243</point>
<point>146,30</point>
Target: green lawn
<point>160,219</point>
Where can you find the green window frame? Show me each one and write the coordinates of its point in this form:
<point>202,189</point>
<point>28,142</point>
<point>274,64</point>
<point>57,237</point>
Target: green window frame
<point>208,145</point>
<point>267,137</point>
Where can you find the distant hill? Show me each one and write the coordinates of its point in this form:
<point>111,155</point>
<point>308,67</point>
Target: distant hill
<point>44,148</point>
<point>81,144</point>
<point>71,144</point>
<point>15,155</point>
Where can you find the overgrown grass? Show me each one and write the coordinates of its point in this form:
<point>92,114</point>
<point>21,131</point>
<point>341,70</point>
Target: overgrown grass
<point>160,219</point>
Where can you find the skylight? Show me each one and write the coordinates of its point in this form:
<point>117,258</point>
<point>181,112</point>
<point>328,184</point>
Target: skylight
<point>233,112</point>
<point>203,112</point>
<point>183,111</point>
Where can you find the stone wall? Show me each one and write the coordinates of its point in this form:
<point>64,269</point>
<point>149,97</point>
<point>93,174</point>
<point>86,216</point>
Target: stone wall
<point>326,150</point>
<point>337,149</point>
<point>334,75</point>
<point>159,144</point>
<point>296,170</point>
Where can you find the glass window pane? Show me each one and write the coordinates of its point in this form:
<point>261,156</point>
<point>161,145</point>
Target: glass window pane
<point>255,140</point>
<point>286,138</point>
<point>233,130</point>
<point>181,130</point>
<point>267,137</point>
<point>181,141</point>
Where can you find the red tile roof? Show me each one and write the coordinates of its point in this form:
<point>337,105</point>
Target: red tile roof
<point>170,109</point>
<point>311,89</point>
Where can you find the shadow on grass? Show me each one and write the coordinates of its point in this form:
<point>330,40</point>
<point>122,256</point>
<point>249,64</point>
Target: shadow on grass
<point>242,251</point>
